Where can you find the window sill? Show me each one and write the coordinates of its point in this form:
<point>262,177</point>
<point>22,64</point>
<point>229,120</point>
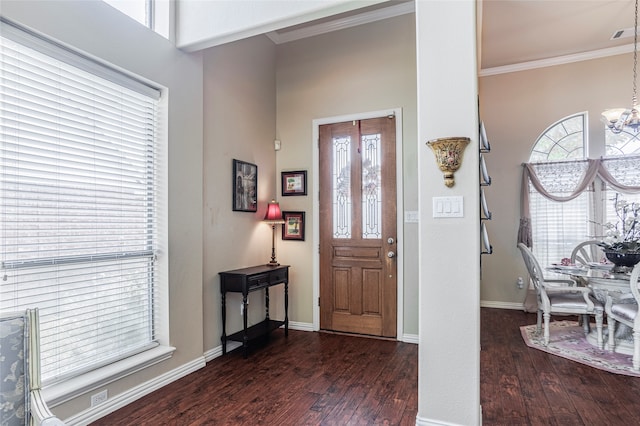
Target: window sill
<point>69,389</point>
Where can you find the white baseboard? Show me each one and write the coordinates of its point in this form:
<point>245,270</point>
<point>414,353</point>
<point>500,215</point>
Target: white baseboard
<point>217,351</point>
<point>302,326</point>
<point>501,305</point>
<point>410,338</point>
<point>421,421</point>
<point>112,404</point>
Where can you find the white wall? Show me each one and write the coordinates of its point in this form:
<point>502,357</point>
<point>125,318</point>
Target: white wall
<point>449,352</point>
<point>203,24</point>
<point>102,32</point>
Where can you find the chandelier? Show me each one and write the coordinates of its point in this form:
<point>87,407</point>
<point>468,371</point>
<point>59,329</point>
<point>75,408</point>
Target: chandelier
<point>618,119</point>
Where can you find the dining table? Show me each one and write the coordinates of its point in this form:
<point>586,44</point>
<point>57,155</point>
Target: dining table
<point>604,282</point>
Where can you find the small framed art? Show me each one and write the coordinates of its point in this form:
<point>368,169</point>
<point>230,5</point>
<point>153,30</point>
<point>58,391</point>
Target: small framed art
<point>293,226</point>
<point>245,186</point>
<point>294,183</point>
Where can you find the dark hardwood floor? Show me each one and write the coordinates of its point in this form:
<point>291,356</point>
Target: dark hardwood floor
<point>305,379</point>
<point>524,386</point>
<point>331,379</point>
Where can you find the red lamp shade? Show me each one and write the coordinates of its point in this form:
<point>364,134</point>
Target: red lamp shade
<point>273,214</point>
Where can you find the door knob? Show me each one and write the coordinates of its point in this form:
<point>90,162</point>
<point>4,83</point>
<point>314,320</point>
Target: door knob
<point>390,240</point>
<point>391,254</point>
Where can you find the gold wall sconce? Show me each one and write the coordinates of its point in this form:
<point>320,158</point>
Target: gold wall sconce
<point>448,152</point>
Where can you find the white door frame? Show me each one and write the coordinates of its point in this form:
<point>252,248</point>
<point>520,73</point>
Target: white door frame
<point>315,191</point>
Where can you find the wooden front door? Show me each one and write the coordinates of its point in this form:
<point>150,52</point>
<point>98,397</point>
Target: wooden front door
<point>358,227</point>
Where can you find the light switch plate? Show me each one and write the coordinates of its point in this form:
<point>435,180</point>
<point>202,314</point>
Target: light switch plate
<point>411,216</point>
<point>448,206</point>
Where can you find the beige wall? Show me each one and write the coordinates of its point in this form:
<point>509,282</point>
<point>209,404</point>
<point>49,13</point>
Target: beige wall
<point>516,108</point>
<point>102,32</point>
<point>362,69</point>
<point>239,123</point>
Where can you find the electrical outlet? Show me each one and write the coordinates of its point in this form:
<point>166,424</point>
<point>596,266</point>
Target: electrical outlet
<point>99,398</point>
<point>520,282</point>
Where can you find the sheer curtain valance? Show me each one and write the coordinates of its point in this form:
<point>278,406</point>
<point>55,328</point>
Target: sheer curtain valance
<point>621,174</point>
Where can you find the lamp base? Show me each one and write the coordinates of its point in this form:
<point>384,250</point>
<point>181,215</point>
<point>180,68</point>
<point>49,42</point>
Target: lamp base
<point>273,263</point>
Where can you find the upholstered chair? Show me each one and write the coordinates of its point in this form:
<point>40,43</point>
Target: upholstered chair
<point>561,297</point>
<point>21,401</point>
<point>625,311</point>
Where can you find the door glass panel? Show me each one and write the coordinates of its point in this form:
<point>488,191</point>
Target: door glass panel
<point>341,187</point>
<point>371,187</point>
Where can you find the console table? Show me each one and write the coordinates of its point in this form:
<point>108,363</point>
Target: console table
<point>245,281</point>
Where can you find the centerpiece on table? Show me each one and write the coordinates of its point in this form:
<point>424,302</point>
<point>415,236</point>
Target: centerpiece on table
<point>621,243</point>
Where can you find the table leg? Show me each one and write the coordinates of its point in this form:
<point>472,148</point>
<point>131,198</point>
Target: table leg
<point>245,337</point>
<point>286,309</point>
<point>266,303</point>
<point>224,323</point>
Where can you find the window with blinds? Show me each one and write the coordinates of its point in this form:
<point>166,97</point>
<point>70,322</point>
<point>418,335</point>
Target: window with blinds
<point>558,227</point>
<point>78,203</point>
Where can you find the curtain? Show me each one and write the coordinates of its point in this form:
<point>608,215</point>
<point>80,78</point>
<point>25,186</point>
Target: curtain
<point>595,168</point>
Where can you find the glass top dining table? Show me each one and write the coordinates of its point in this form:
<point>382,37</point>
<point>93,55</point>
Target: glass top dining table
<point>596,276</point>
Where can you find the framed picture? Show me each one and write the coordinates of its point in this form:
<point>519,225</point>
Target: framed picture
<point>245,186</point>
<point>293,226</point>
<point>294,183</point>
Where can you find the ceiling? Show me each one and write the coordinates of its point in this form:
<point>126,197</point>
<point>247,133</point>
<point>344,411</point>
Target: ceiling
<point>512,31</point>
<point>517,31</point>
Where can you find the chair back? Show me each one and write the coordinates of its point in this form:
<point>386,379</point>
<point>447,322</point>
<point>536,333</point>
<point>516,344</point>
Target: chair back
<point>586,252</point>
<point>535,272</point>
<point>14,385</point>
<point>634,283</point>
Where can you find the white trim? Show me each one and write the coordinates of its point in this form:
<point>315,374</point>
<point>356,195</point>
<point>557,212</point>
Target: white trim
<point>283,36</point>
<point>399,209</point>
<point>112,404</point>
<point>421,421</point>
<point>79,385</point>
<point>301,326</point>
<point>501,305</point>
<point>216,352</point>
<point>410,338</point>
<point>559,60</point>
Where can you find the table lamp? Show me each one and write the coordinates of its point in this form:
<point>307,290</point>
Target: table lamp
<point>273,217</point>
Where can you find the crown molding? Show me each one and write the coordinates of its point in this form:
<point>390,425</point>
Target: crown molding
<point>559,60</point>
<point>280,37</point>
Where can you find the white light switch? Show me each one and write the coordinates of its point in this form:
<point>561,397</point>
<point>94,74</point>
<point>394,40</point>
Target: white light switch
<point>411,216</point>
<point>448,207</point>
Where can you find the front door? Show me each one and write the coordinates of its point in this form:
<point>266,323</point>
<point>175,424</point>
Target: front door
<point>358,227</point>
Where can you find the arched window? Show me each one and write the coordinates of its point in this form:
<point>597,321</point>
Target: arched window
<point>623,143</point>
<point>559,160</point>
<point>563,140</point>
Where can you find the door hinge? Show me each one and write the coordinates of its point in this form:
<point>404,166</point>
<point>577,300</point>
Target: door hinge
<point>318,301</point>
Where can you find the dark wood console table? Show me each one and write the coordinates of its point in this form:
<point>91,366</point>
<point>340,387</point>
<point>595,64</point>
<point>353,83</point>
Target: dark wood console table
<point>245,281</point>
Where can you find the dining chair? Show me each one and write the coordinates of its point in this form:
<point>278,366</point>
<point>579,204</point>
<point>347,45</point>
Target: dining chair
<point>561,297</point>
<point>21,401</point>
<point>625,311</point>
<point>586,252</point>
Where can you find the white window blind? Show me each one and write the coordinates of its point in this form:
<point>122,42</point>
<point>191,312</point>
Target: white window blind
<point>78,185</point>
<point>558,227</point>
